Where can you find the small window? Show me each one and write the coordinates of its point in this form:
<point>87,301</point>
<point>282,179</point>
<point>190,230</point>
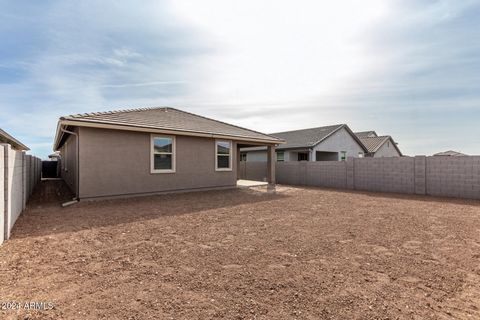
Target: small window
<point>280,156</point>
<point>302,156</point>
<point>243,157</point>
<point>223,155</point>
<point>162,154</point>
<point>343,155</point>
<point>360,155</point>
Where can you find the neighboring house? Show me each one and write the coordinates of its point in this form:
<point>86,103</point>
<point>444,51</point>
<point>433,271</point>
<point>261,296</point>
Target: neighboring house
<point>152,150</point>
<point>450,153</point>
<point>16,145</point>
<point>379,146</point>
<point>330,143</point>
<point>54,156</point>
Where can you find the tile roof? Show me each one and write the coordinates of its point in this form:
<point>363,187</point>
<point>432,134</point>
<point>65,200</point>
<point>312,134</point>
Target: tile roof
<point>5,137</point>
<point>373,143</point>
<point>166,118</point>
<point>450,153</point>
<point>366,134</point>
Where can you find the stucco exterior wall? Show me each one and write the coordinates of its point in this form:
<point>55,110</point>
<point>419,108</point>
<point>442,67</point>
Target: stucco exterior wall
<point>69,162</point>
<point>387,150</point>
<point>339,141</point>
<point>117,163</point>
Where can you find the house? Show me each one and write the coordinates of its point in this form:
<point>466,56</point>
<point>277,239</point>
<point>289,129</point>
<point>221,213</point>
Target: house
<point>450,153</point>
<point>330,143</point>
<point>54,156</point>
<point>14,143</point>
<point>379,146</point>
<point>152,150</point>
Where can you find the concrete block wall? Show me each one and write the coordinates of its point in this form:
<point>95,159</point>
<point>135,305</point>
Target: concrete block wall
<point>252,170</point>
<point>2,193</point>
<point>332,174</point>
<point>437,176</point>
<point>15,188</point>
<point>453,177</point>
<point>384,174</point>
<point>289,173</point>
<point>420,175</point>
<point>19,173</point>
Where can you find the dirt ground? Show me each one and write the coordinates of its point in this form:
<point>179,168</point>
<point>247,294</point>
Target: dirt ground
<point>302,253</point>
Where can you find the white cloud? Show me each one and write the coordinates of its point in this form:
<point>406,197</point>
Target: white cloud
<point>276,50</point>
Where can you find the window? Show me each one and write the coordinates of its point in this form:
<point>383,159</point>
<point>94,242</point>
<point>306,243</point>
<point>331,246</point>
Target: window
<point>223,155</point>
<point>280,156</point>
<point>243,157</point>
<point>303,156</point>
<point>162,154</point>
<point>360,155</point>
<point>343,155</point>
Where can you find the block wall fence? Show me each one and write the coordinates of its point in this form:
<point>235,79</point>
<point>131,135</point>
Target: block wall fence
<point>19,174</point>
<point>457,177</point>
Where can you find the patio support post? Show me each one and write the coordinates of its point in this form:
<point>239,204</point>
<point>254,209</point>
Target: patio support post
<point>271,168</point>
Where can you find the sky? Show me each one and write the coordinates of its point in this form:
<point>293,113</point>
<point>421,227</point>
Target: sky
<point>409,69</point>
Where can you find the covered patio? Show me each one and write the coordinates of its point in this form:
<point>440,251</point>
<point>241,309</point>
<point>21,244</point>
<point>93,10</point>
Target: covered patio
<point>268,175</point>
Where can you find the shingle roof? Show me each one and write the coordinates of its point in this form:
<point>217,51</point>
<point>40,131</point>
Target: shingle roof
<point>166,118</point>
<point>5,137</point>
<point>306,138</point>
<point>366,134</point>
<point>450,153</point>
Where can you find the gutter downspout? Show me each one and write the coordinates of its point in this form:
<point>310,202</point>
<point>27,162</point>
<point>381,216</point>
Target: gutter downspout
<point>78,160</point>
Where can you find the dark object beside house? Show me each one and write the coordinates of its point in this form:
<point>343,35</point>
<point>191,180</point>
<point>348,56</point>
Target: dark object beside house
<point>50,169</point>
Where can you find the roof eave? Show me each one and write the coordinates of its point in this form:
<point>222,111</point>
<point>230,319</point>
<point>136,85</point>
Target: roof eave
<point>131,127</point>
<point>11,140</point>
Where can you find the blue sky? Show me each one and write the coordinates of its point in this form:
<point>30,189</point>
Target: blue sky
<point>410,69</point>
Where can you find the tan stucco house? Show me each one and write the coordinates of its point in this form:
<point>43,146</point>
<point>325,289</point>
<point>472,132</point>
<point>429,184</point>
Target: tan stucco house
<point>152,150</point>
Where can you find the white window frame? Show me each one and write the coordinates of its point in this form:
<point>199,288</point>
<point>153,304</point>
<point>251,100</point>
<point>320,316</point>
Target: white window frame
<point>152,153</point>
<point>230,155</point>
<point>280,152</point>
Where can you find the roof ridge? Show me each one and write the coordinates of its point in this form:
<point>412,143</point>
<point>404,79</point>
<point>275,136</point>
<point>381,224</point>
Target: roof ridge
<point>332,125</point>
<point>384,136</point>
<point>86,114</point>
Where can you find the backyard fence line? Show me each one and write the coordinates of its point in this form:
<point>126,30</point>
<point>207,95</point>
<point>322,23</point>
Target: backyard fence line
<point>436,176</point>
<point>19,174</point>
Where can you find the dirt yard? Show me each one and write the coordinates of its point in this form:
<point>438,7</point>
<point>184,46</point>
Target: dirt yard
<point>303,253</point>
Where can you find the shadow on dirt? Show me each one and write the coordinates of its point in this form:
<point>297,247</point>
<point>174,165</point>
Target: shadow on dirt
<point>45,215</point>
